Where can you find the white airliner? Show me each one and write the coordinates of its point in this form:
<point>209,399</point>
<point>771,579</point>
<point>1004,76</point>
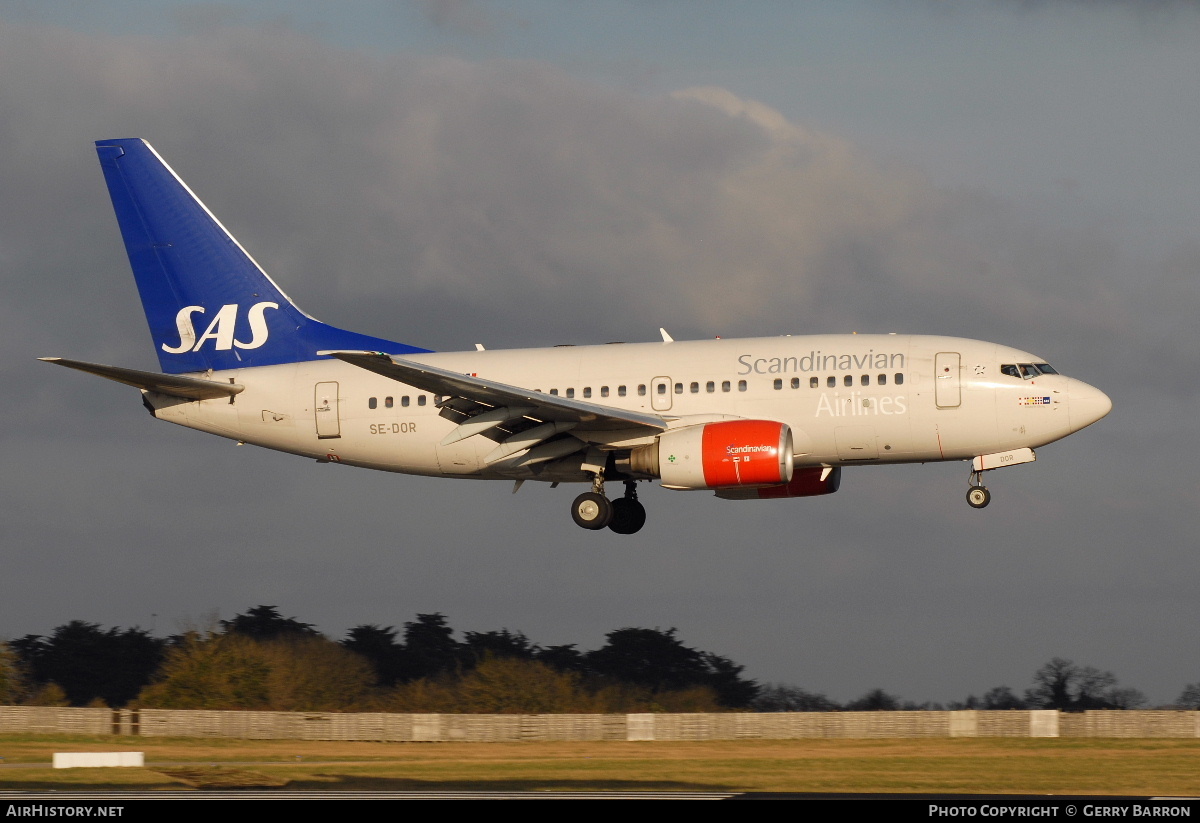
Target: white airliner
<point>762,418</point>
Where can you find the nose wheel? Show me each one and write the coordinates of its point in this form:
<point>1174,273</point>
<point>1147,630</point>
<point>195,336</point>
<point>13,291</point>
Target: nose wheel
<point>978,496</point>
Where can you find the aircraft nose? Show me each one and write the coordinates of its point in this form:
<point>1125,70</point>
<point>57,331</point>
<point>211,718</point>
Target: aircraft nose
<point>1087,404</point>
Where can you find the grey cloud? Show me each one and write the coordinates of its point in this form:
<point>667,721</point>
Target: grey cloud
<point>384,187</point>
<point>465,16</point>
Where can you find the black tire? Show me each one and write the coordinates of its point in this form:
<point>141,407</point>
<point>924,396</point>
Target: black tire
<point>978,497</point>
<point>628,516</point>
<point>591,511</point>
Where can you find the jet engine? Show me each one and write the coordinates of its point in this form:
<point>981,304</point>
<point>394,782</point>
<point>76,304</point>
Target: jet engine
<point>721,455</point>
<point>807,482</point>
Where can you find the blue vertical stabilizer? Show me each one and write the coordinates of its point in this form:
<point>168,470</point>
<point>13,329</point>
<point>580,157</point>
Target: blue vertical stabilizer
<point>209,305</point>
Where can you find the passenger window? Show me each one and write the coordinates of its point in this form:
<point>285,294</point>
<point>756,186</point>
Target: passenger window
<point>554,392</point>
<point>741,385</point>
<point>662,388</point>
<point>725,385</point>
<point>421,400</point>
<point>778,384</point>
<point>404,401</point>
<point>848,380</point>
<point>695,387</point>
<point>881,380</point>
<point>641,390</point>
<point>604,391</point>
<point>679,388</point>
<point>387,402</point>
<point>571,393</point>
<point>372,403</point>
<point>710,387</point>
<point>831,381</point>
<point>620,391</point>
<point>795,382</point>
<point>587,391</point>
<point>813,382</point>
<point>866,380</point>
<point>899,378</point>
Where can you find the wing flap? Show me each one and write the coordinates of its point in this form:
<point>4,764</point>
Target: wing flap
<point>545,407</point>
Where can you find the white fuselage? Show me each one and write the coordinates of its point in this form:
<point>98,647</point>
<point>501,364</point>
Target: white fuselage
<point>849,399</point>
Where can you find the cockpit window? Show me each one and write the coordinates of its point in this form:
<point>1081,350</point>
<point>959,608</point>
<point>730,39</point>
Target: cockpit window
<point>1026,371</point>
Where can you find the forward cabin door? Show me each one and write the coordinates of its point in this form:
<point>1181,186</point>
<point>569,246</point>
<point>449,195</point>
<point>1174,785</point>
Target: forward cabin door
<point>326,411</point>
<point>947,383</point>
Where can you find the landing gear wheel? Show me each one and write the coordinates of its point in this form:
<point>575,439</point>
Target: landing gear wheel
<point>592,511</point>
<point>628,516</point>
<point>978,497</point>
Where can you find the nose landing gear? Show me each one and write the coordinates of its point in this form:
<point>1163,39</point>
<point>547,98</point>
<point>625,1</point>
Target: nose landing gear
<point>978,496</point>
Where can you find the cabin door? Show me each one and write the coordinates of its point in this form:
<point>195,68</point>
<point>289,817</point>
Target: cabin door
<point>325,409</point>
<point>947,383</point>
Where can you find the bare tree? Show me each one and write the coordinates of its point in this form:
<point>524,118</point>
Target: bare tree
<point>1190,699</point>
<point>1062,685</point>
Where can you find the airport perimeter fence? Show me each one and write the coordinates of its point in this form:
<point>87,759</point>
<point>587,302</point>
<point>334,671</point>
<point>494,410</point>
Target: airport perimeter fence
<point>495,728</point>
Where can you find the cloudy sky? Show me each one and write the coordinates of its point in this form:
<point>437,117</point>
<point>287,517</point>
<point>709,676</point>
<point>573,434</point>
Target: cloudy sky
<point>531,173</point>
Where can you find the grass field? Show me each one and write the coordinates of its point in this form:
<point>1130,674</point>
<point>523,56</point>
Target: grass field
<point>1042,766</point>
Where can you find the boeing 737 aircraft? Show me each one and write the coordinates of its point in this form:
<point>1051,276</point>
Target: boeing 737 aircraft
<point>763,418</point>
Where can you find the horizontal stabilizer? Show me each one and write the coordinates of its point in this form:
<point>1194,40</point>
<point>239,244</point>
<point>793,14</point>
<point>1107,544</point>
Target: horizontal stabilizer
<point>189,388</point>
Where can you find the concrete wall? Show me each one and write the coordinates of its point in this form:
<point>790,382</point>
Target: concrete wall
<point>482,728</point>
<point>53,720</point>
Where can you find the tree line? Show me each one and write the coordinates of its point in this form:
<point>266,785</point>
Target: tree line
<point>262,660</point>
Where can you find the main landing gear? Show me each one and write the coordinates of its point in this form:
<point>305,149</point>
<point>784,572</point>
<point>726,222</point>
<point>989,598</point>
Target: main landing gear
<point>628,514</point>
<point>592,510</point>
<point>978,496</point>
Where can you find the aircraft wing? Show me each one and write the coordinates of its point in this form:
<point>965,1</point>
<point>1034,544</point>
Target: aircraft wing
<point>492,394</point>
<point>189,388</point>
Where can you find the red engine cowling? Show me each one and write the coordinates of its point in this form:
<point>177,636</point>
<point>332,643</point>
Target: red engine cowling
<point>727,454</point>
<point>807,482</point>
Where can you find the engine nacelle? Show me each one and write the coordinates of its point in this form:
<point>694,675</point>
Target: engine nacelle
<point>724,455</point>
<point>806,482</point>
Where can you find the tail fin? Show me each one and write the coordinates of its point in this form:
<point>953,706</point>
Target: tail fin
<point>192,274</point>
